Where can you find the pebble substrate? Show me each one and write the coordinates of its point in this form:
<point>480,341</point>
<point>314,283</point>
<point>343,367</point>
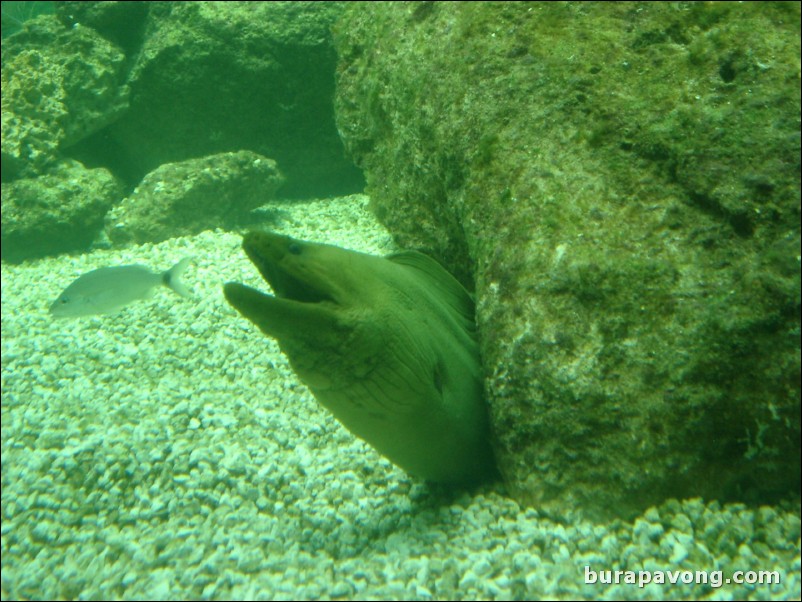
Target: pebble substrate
<point>169,452</point>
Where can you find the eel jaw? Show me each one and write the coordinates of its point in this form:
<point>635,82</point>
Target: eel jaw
<point>299,311</point>
<point>293,323</point>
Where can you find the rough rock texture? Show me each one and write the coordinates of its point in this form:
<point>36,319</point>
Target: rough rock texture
<point>203,78</point>
<point>217,191</point>
<point>621,184</point>
<point>210,77</point>
<point>59,212</point>
<point>59,85</point>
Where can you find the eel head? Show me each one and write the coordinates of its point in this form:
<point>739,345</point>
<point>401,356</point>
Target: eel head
<point>313,310</point>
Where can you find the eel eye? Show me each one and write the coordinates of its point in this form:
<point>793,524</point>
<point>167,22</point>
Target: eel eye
<point>294,248</point>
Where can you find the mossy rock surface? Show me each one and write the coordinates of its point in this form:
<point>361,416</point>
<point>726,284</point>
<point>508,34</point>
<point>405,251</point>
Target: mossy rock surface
<point>620,185</point>
<point>211,77</point>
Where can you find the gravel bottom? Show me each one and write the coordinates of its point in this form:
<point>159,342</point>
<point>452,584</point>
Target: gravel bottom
<point>168,451</point>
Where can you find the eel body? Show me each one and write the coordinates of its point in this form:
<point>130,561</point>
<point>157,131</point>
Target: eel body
<point>387,344</point>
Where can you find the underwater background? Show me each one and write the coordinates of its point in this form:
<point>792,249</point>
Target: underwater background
<point>618,186</point>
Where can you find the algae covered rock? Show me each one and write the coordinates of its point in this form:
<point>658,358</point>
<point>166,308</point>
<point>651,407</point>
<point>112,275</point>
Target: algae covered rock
<point>620,183</point>
<point>60,85</point>
<point>191,196</point>
<point>136,89</point>
<point>59,212</point>
<point>211,77</point>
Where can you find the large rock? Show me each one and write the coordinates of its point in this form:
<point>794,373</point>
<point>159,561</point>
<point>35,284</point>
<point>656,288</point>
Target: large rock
<point>184,198</point>
<point>59,212</point>
<point>620,182</point>
<point>60,85</point>
<point>206,80</point>
<point>211,77</point>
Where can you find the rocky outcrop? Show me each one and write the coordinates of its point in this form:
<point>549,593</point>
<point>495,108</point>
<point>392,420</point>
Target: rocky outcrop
<point>60,85</point>
<point>620,184</point>
<point>129,87</point>
<point>211,77</point>
<point>218,191</point>
<point>59,212</point>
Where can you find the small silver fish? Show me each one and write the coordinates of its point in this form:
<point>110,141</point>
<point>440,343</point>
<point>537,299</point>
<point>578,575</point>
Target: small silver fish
<point>106,290</point>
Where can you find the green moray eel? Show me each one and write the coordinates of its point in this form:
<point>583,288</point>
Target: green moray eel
<point>387,345</point>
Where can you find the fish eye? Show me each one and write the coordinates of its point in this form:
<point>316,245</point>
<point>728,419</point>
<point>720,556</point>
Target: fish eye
<point>294,248</point>
<point>63,300</point>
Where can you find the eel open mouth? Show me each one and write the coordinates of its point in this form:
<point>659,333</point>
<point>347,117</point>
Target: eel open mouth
<point>278,259</point>
<point>304,301</point>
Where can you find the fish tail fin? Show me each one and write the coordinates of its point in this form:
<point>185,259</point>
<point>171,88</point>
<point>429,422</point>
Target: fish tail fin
<point>172,278</point>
